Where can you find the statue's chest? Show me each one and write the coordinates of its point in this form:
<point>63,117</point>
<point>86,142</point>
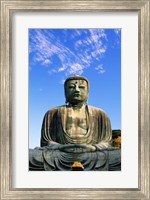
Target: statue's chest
<point>76,118</point>
<point>76,126</point>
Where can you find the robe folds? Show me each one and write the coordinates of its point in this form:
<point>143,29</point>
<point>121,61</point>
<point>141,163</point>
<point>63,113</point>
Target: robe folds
<point>99,134</point>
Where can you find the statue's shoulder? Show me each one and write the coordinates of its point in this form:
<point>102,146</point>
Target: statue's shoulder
<point>55,109</point>
<point>96,110</point>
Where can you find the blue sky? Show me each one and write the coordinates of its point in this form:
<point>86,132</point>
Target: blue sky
<point>55,54</point>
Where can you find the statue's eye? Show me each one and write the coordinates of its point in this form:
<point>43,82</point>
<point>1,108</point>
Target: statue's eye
<point>82,86</point>
<point>71,87</point>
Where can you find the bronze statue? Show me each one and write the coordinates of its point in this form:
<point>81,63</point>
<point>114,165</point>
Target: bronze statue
<point>76,133</point>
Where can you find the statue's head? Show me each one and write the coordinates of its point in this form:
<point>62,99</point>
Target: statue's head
<point>76,89</point>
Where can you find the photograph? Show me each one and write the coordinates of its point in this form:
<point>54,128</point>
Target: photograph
<point>75,99</point>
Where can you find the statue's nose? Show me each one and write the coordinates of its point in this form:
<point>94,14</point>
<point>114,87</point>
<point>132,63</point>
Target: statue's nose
<point>77,89</point>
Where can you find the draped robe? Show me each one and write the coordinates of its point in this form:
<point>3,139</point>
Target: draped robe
<point>99,134</point>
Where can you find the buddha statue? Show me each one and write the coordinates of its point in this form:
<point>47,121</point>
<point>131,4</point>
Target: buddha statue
<point>75,134</point>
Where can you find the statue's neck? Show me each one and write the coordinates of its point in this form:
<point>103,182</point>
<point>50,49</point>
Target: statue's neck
<point>76,106</point>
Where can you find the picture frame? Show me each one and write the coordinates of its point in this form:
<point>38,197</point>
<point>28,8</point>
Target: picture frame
<point>9,7</point>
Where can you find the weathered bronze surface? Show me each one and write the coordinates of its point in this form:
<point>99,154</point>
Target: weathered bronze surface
<point>76,132</point>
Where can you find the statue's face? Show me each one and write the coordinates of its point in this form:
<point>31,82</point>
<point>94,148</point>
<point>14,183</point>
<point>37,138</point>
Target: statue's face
<point>76,91</point>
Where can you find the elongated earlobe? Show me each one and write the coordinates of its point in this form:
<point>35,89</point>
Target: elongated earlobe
<point>86,103</point>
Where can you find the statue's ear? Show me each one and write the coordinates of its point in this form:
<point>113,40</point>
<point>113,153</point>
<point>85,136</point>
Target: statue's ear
<point>86,102</point>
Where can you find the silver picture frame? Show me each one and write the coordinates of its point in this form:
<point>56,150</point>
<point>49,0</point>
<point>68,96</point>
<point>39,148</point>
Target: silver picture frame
<point>8,7</point>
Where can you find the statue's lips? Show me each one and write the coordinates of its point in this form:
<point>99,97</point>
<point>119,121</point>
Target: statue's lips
<point>76,95</point>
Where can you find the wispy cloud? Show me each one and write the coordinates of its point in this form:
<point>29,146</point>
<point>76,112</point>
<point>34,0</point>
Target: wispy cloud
<point>76,69</point>
<point>100,69</point>
<point>118,38</point>
<point>70,51</point>
<point>117,31</point>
